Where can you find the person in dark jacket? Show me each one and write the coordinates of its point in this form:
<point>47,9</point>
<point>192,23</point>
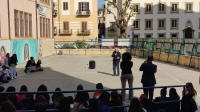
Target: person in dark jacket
<point>126,74</point>
<point>116,59</point>
<point>188,103</point>
<point>30,65</point>
<point>174,106</point>
<point>148,77</point>
<point>12,66</point>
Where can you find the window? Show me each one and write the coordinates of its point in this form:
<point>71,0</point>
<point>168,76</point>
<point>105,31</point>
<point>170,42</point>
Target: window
<point>83,6</point>
<point>174,23</point>
<point>161,8</point>
<point>21,24</point>
<point>189,8</point>
<point>65,5</point>
<point>174,35</point>
<point>44,27</point>
<point>161,24</point>
<point>149,24</point>
<point>199,34</point>
<point>49,28</point>
<point>174,8</point>
<point>16,14</point>
<point>149,9</point>
<point>26,24</point>
<point>136,36</point>
<point>30,25</point>
<point>136,24</point>
<point>136,8</point>
<point>84,26</point>
<point>66,26</point>
<point>41,27</point>
<point>161,35</point>
<point>114,1</point>
<point>148,35</point>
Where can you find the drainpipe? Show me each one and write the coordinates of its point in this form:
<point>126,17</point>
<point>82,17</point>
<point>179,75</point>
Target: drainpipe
<point>8,3</point>
<point>59,15</point>
<point>36,15</point>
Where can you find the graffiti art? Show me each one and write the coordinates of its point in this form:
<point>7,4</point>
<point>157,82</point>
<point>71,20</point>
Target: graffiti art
<point>2,53</point>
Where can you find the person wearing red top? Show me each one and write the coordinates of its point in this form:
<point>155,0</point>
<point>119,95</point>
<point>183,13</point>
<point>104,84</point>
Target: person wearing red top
<point>98,94</point>
<point>20,97</point>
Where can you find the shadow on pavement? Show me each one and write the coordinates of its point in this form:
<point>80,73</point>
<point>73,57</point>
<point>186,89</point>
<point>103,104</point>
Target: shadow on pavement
<point>105,73</point>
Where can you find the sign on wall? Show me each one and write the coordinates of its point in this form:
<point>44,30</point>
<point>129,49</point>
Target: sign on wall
<point>42,10</point>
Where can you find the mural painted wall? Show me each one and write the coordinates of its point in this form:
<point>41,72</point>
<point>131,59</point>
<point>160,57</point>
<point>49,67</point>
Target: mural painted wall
<point>4,49</point>
<point>25,49</point>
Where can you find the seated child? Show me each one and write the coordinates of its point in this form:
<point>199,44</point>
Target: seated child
<point>38,65</point>
<point>5,77</point>
<point>30,66</point>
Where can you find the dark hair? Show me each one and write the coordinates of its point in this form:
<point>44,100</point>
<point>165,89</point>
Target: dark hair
<point>135,106</point>
<point>2,88</point>
<point>173,94</point>
<point>8,55</point>
<point>32,58</point>
<point>99,86</point>
<point>64,105</point>
<point>23,88</point>
<point>190,89</point>
<point>105,97</point>
<point>80,87</point>
<point>163,92</point>
<point>126,56</point>
<point>7,106</point>
<point>4,67</point>
<point>115,96</point>
<point>150,58</point>
<point>41,103</point>
<point>11,89</point>
<point>42,88</point>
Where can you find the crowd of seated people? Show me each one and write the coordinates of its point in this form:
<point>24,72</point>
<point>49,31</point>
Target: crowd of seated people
<point>100,102</point>
<point>31,66</point>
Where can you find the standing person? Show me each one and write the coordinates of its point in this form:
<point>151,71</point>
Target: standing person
<point>13,63</point>
<point>6,60</point>
<point>126,74</point>
<point>116,59</point>
<point>148,77</point>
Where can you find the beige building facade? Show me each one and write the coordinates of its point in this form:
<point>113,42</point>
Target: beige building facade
<point>75,20</point>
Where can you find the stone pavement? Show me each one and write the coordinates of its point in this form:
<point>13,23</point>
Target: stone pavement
<point>67,71</point>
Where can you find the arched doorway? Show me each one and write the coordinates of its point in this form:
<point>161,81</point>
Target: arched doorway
<point>188,33</point>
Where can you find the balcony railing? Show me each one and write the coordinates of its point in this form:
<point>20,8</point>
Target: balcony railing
<point>83,32</point>
<point>83,13</point>
<point>65,32</point>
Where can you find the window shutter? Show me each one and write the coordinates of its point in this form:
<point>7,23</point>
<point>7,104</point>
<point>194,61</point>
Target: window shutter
<point>88,6</point>
<point>82,27</point>
<point>85,26</point>
<point>66,5</point>
<point>79,6</point>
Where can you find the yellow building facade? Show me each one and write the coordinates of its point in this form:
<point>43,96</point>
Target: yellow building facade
<point>75,20</point>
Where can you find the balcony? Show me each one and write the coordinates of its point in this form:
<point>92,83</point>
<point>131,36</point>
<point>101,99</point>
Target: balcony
<point>65,32</point>
<point>83,13</point>
<point>84,32</point>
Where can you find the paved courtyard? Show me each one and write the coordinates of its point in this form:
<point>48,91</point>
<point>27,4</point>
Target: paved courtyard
<point>67,71</point>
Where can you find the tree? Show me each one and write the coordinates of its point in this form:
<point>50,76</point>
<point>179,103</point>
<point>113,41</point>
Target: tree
<point>122,13</point>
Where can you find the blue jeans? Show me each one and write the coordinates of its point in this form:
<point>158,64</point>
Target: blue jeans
<point>116,65</point>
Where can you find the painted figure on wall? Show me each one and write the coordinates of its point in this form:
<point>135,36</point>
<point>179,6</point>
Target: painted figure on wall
<point>26,52</point>
<point>3,53</point>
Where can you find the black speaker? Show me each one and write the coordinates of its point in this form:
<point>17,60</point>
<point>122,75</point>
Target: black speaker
<point>91,64</point>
